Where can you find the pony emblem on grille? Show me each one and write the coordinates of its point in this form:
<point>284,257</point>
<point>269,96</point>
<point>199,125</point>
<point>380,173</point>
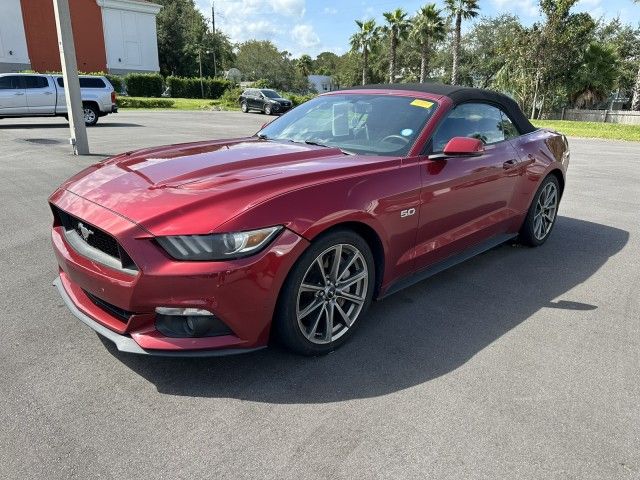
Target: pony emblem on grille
<point>85,233</point>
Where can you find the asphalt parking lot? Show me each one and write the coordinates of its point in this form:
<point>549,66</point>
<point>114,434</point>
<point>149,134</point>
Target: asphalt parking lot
<point>520,363</point>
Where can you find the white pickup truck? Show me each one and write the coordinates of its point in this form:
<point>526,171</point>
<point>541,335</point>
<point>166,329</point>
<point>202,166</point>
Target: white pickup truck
<point>34,95</point>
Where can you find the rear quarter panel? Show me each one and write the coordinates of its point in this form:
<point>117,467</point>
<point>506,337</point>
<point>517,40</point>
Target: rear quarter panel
<point>541,152</point>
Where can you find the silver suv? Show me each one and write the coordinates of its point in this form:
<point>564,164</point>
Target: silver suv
<point>34,95</point>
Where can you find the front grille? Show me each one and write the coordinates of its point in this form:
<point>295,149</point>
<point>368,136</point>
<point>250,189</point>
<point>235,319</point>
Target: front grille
<point>119,313</point>
<point>94,237</point>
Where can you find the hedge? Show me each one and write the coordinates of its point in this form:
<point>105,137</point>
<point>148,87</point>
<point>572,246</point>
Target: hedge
<point>182,87</point>
<point>144,84</point>
<point>299,99</point>
<point>129,102</point>
<point>116,81</point>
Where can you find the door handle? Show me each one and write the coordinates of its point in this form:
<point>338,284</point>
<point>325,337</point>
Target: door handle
<point>18,94</point>
<point>509,164</point>
<point>48,93</point>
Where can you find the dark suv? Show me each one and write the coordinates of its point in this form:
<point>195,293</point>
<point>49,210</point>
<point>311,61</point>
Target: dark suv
<point>263,99</point>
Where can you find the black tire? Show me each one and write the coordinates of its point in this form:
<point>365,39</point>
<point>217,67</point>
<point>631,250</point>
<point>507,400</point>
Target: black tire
<point>530,231</point>
<point>244,107</point>
<point>90,114</point>
<point>287,328</point>
<point>267,109</point>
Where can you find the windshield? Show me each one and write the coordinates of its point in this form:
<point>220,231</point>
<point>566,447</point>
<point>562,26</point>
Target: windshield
<point>270,93</point>
<point>365,124</point>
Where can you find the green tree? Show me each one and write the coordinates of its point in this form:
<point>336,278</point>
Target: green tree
<point>179,27</point>
<point>428,29</point>
<point>326,63</point>
<point>635,101</point>
<point>261,60</point>
<point>304,65</point>
<point>563,39</point>
<point>459,10</point>
<point>364,40</point>
<point>595,79</point>
<point>625,40</point>
<point>489,46</point>
<point>397,28</point>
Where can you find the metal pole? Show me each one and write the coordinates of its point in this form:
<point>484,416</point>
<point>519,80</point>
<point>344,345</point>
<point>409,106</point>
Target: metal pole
<point>215,44</point>
<point>200,62</point>
<point>69,65</point>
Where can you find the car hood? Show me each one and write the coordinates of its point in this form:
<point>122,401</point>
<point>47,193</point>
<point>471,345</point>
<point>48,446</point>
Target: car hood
<point>197,187</point>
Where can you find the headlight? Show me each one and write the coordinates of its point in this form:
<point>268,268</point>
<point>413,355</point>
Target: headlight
<point>219,246</point>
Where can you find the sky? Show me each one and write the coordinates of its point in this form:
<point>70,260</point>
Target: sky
<point>305,26</point>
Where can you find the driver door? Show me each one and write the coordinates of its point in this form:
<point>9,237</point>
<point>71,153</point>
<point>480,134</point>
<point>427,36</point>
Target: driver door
<point>466,201</point>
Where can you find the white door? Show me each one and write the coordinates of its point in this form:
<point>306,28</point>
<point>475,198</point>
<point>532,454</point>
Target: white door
<point>41,99</point>
<point>12,98</point>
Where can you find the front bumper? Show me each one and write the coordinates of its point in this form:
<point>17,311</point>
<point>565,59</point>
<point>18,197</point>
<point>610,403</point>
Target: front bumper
<point>279,108</point>
<point>125,343</point>
<point>241,293</point>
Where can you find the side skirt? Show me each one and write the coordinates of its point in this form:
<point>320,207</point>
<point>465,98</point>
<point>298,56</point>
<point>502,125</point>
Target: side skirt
<point>448,262</point>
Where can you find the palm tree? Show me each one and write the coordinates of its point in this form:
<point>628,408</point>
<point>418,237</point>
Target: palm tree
<point>364,39</point>
<point>304,65</point>
<point>428,29</point>
<point>460,9</point>
<point>397,28</point>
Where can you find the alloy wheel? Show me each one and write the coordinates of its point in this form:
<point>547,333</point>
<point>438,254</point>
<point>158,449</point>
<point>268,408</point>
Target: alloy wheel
<point>332,293</point>
<point>89,115</point>
<point>545,212</point>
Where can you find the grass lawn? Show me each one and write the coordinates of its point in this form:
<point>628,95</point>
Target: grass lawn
<point>177,104</point>
<point>611,131</point>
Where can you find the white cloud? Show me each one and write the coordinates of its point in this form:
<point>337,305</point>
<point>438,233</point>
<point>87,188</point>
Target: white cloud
<point>528,8</point>
<point>294,8</point>
<point>305,36</point>
<point>244,20</point>
<point>588,3</point>
<point>330,11</point>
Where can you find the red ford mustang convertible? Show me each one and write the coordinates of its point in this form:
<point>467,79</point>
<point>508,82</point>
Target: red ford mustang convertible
<point>216,247</point>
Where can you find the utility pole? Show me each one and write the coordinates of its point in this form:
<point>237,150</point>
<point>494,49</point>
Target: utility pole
<point>213,17</point>
<point>200,63</point>
<point>73,98</point>
<point>213,30</point>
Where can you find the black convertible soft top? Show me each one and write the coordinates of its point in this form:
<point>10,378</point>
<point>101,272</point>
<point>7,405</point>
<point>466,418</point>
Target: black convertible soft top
<point>462,95</point>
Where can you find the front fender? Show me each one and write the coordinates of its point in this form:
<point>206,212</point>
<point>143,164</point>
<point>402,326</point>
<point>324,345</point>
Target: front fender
<point>374,200</point>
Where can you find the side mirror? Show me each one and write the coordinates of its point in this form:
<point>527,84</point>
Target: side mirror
<point>463,147</point>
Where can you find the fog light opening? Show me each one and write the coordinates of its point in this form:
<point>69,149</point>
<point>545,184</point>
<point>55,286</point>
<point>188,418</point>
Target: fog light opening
<point>189,323</point>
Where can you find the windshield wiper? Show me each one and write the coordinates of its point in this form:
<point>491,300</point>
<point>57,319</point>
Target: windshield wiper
<point>318,144</point>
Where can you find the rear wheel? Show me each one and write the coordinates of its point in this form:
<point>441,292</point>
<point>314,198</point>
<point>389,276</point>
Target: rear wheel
<point>267,109</point>
<point>244,107</point>
<point>542,213</point>
<point>326,292</point>
<point>90,113</point>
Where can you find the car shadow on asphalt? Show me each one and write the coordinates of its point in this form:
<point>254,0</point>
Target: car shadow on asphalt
<point>412,337</point>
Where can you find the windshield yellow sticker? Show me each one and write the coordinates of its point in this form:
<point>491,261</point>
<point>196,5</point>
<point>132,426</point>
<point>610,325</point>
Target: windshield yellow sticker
<point>422,103</point>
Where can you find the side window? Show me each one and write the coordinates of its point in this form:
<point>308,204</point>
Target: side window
<point>60,81</point>
<point>508,128</point>
<point>11,82</point>
<point>475,120</point>
<point>88,82</point>
<point>35,82</point>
